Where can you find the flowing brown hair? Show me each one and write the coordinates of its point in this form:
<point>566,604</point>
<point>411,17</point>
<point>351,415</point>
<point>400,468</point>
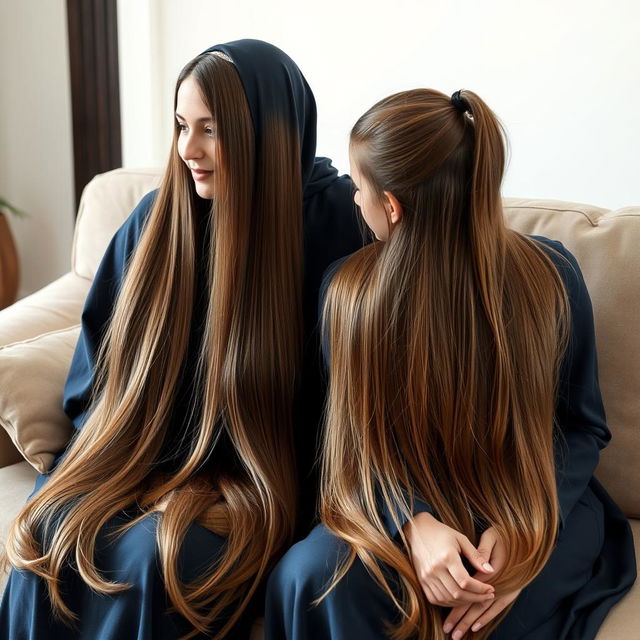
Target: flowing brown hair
<point>246,373</point>
<point>445,344</point>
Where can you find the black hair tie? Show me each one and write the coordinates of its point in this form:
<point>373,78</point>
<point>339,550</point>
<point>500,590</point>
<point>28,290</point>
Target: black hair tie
<point>458,102</point>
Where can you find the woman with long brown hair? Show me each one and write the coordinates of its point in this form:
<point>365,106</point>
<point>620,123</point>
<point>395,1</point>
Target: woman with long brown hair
<point>464,418</point>
<point>195,386</point>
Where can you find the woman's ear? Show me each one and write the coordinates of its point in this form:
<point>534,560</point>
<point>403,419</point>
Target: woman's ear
<point>393,208</point>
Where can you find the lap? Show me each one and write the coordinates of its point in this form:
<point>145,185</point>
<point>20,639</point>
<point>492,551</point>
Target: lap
<point>136,547</point>
<point>358,603</point>
<point>131,557</point>
<point>546,602</point>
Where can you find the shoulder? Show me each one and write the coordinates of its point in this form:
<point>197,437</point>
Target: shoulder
<point>325,180</point>
<point>342,187</point>
<point>128,234</point>
<point>339,196</point>
<point>331,271</point>
<point>139,215</point>
<point>580,306</point>
<point>147,200</point>
<point>134,224</point>
<point>566,264</point>
<point>332,226</point>
<point>328,189</point>
<point>553,248</point>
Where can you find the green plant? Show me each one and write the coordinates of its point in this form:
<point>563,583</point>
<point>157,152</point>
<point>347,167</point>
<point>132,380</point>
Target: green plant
<point>9,207</point>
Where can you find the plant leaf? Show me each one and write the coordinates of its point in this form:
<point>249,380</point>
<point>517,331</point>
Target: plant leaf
<point>18,213</point>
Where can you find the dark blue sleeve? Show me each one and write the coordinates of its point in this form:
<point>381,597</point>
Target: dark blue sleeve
<point>581,424</point>
<point>97,311</point>
<point>386,511</point>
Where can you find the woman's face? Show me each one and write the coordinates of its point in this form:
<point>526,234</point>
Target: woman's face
<point>196,137</point>
<point>373,211</point>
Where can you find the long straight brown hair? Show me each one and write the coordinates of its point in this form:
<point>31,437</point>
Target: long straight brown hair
<point>246,375</point>
<point>444,343</point>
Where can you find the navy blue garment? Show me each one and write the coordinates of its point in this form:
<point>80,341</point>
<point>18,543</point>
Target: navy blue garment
<point>592,565</point>
<point>140,613</point>
<point>274,85</point>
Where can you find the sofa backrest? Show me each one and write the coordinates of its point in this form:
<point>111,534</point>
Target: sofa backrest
<point>607,247</point>
<point>605,243</point>
<point>106,203</point>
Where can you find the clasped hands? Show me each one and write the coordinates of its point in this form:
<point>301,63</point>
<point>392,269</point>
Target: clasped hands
<point>436,553</point>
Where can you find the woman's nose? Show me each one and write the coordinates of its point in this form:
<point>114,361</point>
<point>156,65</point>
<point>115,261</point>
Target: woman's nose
<point>191,148</point>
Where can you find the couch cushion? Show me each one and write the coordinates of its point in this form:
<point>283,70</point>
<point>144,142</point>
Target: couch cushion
<point>32,375</point>
<point>16,483</point>
<point>605,244</point>
<point>56,306</point>
<point>106,203</point>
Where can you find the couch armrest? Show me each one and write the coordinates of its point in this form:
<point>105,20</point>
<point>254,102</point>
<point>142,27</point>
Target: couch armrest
<point>56,306</point>
<point>107,201</point>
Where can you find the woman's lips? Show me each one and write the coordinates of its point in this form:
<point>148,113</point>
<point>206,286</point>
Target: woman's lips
<point>199,174</point>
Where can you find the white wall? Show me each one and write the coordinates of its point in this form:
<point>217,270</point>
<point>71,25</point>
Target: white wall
<point>563,76</point>
<point>36,155</point>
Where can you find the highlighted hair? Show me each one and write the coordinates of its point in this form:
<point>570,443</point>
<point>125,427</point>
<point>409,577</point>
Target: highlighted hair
<point>245,379</point>
<point>445,344</point>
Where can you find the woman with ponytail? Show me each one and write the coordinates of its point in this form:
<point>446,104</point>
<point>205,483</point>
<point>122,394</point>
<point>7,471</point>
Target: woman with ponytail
<point>464,418</point>
<point>195,387</point>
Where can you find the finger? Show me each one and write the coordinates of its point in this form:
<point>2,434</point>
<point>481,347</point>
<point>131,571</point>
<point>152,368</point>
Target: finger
<point>471,553</point>
<point>431,596</point>
<point>466,582</point>
<point>497,607</point>
<point>455,615</point>
<point>486,544</point>
<point>444,597</point>
<point>469,618</point>
<point>460,595</point>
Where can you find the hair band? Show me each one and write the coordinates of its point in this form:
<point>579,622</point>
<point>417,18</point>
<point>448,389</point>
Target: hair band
<point>221,54</point>
<point>458,102</point>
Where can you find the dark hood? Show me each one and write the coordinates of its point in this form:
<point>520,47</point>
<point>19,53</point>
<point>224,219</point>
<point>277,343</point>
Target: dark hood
<point>275,86</point>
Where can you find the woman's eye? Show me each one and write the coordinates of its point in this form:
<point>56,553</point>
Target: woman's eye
<point>209,131</point>
<point>181,127</point>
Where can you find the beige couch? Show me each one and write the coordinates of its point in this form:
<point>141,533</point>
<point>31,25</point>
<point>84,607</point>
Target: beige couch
<point>38,334</point>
